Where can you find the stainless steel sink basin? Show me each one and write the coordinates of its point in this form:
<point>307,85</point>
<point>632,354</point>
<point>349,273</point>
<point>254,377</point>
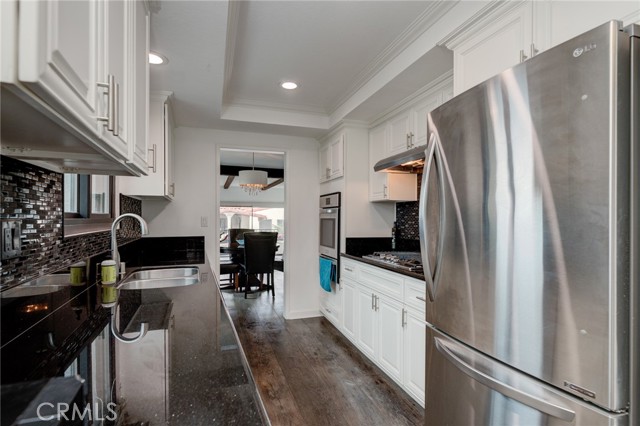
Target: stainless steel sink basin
<point>144,279</point>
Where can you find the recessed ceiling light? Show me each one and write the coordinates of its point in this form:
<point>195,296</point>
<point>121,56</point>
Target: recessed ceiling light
<point>157,59</point>
<point>289,85</point>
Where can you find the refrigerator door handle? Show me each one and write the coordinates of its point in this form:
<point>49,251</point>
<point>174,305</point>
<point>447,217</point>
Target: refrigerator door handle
<point>422,217</point>
<point>532,401</point>
<point>432,156</point>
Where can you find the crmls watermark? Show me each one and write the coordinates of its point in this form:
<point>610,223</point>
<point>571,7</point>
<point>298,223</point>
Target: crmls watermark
<point>96,411</point>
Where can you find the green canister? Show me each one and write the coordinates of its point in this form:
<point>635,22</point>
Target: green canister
<point>108,271</point>
<point>78,273</point>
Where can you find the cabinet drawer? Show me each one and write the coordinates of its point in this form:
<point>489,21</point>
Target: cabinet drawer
<point>348,269</point>
<point>385,282</point>
<point>413,289</point>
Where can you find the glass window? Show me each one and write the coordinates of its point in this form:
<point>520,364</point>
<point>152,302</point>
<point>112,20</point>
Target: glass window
<point>71,193</point>
<point>88,203</point>
<point>100,194</point>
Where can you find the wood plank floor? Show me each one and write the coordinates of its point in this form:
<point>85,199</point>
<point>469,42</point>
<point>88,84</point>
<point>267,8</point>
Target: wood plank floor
<point>308,373</point>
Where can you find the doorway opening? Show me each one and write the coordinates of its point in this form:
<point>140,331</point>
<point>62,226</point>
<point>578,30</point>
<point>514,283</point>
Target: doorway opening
<point>244,209</point>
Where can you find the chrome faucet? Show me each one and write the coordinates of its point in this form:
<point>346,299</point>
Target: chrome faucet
<point>114,240</point>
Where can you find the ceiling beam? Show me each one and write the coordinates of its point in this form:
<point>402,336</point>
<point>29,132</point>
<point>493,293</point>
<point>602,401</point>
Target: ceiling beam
<point>233,171</point>
<point>274,183</point>
<point>230,179</point>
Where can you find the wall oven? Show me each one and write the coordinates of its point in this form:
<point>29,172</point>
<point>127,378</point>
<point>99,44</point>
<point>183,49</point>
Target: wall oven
<point>330,225</point>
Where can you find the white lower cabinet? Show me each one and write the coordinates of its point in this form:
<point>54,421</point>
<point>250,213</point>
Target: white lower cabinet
<point>349,308</point>
<point>389,322</point>
<point>383,315</point>
<point>365,322</point>
<point>414,344</point>
<point>331,304</point>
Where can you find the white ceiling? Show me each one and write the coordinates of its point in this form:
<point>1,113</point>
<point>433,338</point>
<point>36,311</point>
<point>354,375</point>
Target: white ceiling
<point>227,58</point>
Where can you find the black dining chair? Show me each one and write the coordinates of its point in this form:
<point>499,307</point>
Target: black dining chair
<point>259,255</point>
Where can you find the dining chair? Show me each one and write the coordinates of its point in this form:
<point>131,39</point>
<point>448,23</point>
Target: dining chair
<point>259,255</point>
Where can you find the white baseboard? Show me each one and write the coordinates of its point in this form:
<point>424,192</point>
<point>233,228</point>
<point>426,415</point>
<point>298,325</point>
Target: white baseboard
<point>302,314</point>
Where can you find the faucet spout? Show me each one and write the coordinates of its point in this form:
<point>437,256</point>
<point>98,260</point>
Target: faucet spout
<point>115,255</point>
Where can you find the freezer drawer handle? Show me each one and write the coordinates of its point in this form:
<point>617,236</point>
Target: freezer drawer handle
<point>508,391</point>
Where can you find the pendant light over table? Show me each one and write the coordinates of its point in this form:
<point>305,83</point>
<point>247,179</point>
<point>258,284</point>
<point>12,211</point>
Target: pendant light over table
<point>252,181</point>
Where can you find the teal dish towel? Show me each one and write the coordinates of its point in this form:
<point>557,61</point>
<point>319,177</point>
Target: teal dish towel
<point>325,274</point>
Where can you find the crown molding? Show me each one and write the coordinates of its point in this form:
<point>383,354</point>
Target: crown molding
<point>422,23</point>
<point>483,18</point>
<point>428,89</point>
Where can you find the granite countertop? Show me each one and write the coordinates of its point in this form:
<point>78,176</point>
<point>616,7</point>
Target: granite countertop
<point>415,275</point>
<point>210,382</point>
<point>207,381</point>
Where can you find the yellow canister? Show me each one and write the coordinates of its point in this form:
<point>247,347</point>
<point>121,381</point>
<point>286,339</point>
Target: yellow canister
<point>78,273</point>
<point>109,296</point>
<point>108,272</point>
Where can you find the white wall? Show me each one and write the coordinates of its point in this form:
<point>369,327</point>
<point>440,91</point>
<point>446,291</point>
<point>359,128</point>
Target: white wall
<point>197,195</point>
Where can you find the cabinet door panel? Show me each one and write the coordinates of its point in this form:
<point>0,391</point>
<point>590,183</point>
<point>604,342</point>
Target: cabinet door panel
<point>140,88</point>
<point>414,355</point>
<point>377,180</point>
<point>58,47</point>
<point>420,120</point>
<point>350,310</point>
<point>493,49</point>
<point>398,130</point>
<point>390,337</point>
<point>366,334</point>
<point>117,47</point>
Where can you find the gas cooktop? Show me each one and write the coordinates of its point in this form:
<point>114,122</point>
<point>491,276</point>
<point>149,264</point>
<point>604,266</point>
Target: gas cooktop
<point>405,260</point>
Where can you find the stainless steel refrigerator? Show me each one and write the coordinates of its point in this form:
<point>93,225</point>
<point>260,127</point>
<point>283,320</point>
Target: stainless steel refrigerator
<point>529,232</point>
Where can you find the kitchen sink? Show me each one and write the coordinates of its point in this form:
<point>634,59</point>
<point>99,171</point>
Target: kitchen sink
<point>143,279</point>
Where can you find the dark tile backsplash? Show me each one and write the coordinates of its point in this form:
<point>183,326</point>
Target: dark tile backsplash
<point>407,217</point>
<point>34,196</point>
<point>407,220</point>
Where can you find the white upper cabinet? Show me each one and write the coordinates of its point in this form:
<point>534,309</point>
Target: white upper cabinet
<point>399,131</point>
<point>159,181</point>
<point>501,39</point>
<point>57,55</point>
<point>80,67</point>
<point>511,32</point>
<point>332,158</point>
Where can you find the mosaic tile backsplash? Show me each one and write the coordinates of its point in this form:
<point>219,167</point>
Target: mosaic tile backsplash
<point>407,218</point>
<point>34,196</point>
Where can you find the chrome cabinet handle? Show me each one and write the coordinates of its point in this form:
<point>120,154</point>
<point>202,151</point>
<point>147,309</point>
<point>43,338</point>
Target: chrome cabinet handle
<point>421,298</point>
<point>346,268</point>
<point>408,142</point>
<point>154,151</point>
<point>523,57</point>
<point>403,322</point>
<point>372,302</point>
<point>172,189</point>
<point>384,191</point>
<point>411,139</point>
<point>110,119</point>
<point>116,111</point>
<point>534,51</point>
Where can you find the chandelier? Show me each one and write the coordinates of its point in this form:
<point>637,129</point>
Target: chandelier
<point>252,181</point>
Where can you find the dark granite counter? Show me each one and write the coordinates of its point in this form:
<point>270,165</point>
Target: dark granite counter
<point>203,376</point>
<point>208,379</point>
<point>383,266</point>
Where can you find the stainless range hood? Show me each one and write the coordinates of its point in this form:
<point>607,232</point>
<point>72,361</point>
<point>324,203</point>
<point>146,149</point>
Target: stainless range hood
<point>411,161</point>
